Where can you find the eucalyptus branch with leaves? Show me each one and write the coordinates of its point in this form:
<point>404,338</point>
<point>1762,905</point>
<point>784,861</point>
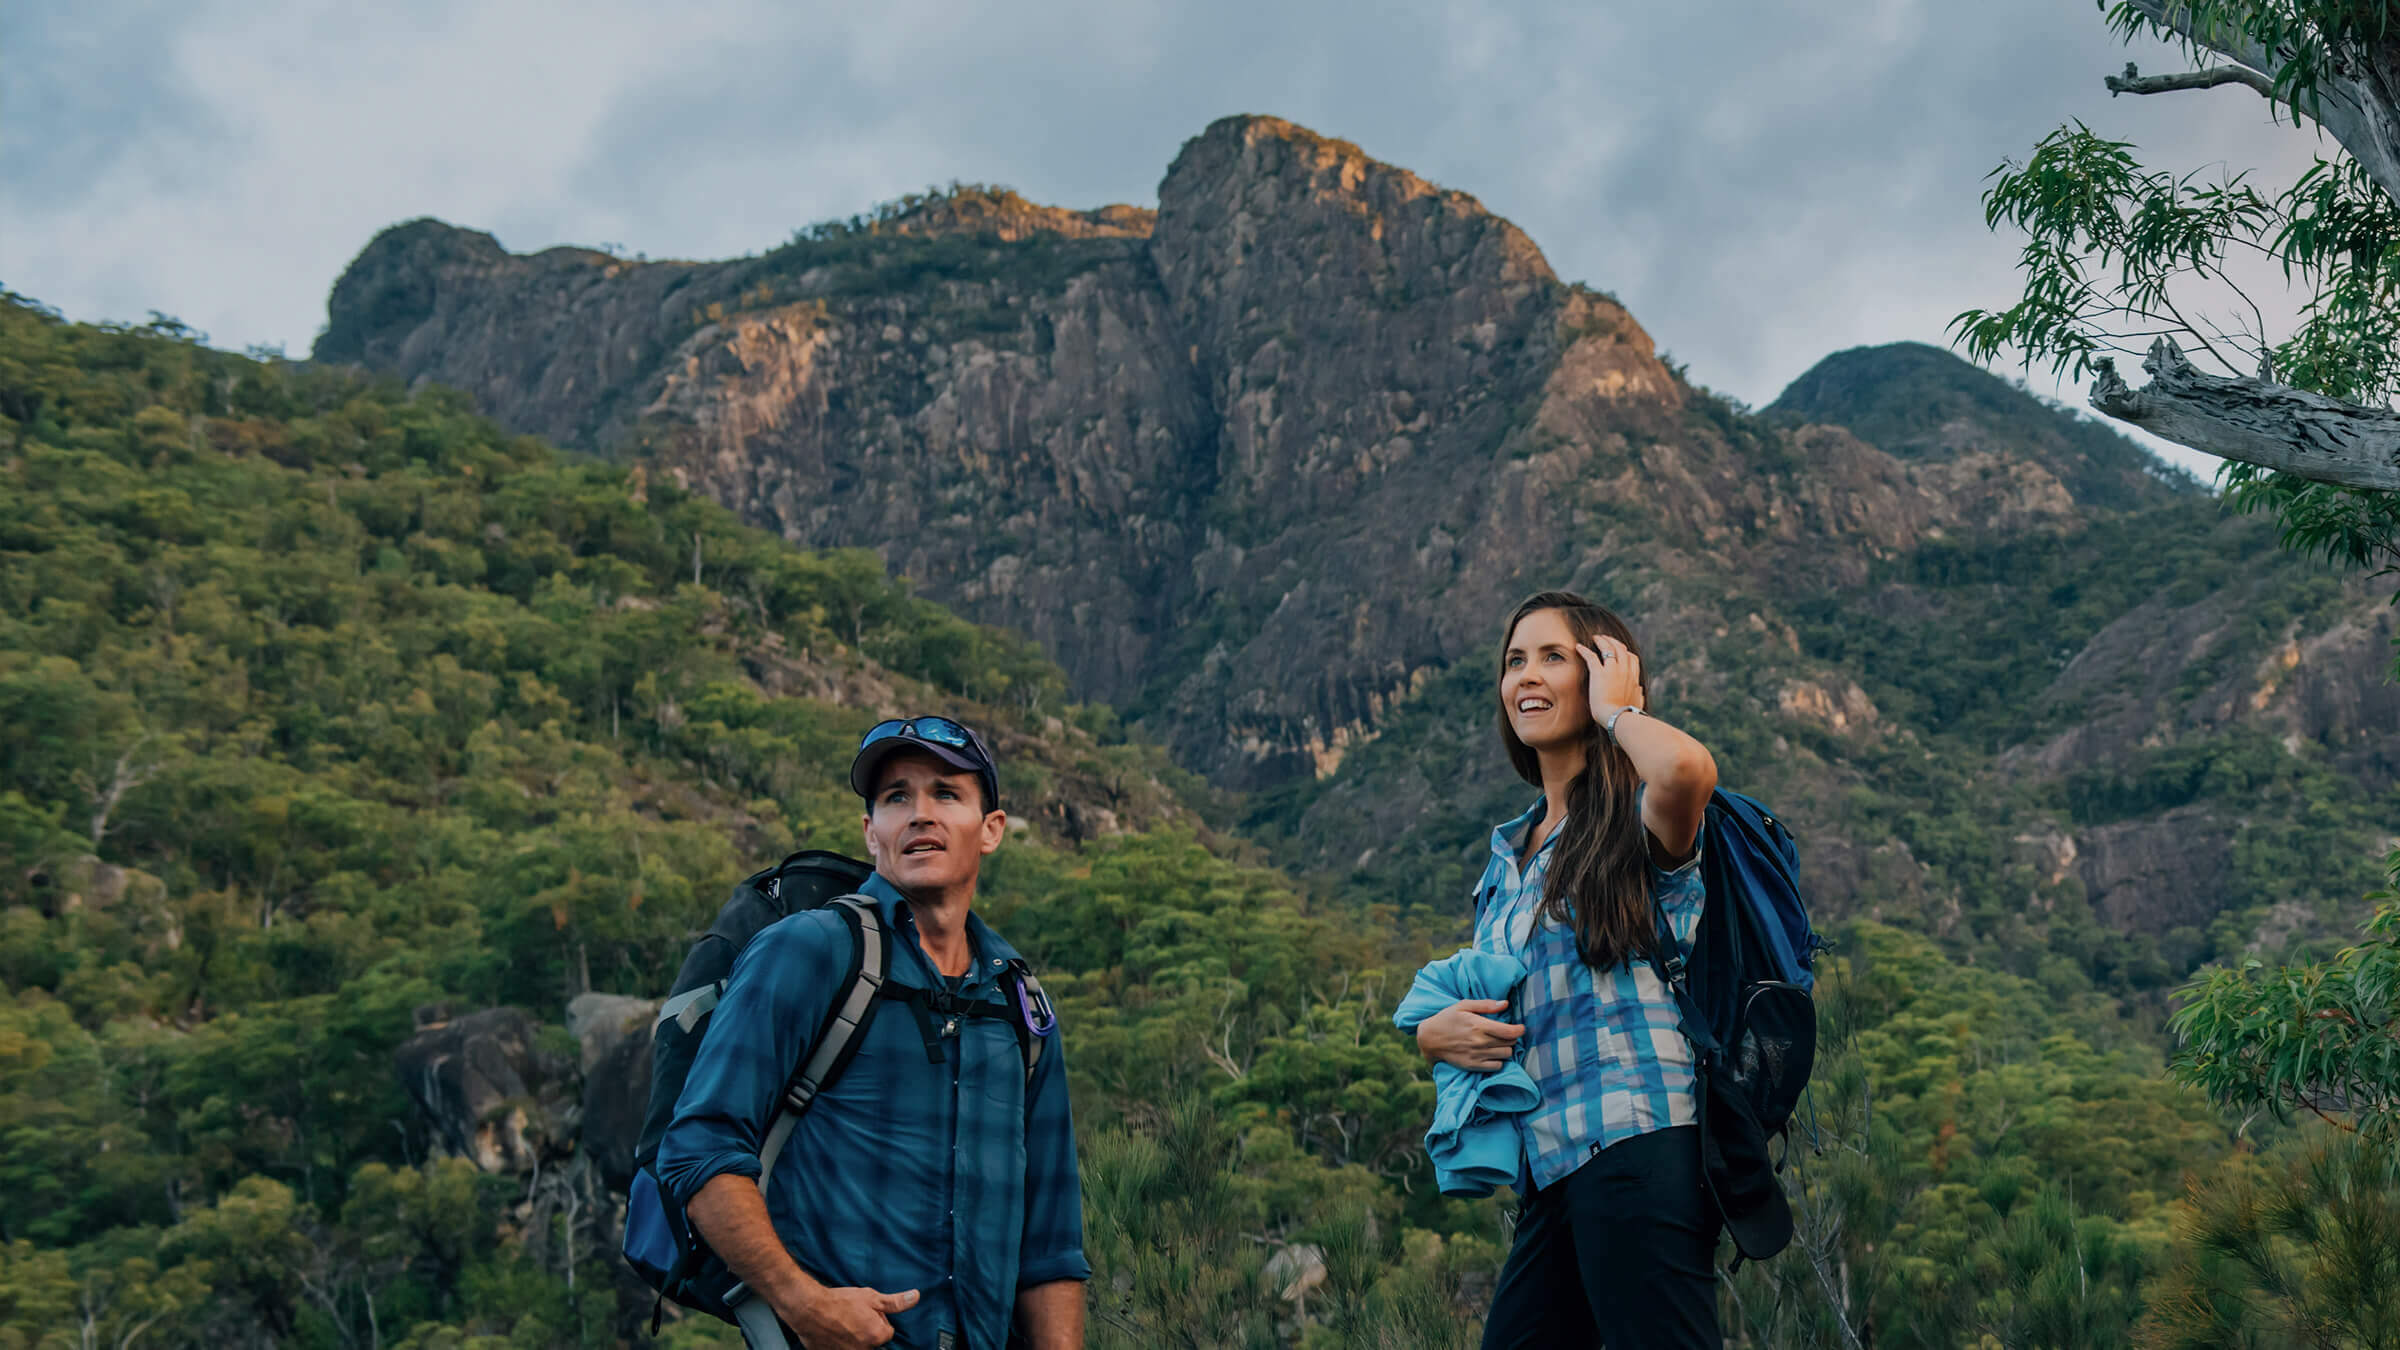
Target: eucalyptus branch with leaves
<point>2121,259</point>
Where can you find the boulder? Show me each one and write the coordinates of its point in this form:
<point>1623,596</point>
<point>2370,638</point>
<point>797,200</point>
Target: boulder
<point>601,1022</point>
<point>136,899</point>
<point>1295,1270</point>
<point>614,1031</point>
<point>489,1091</point>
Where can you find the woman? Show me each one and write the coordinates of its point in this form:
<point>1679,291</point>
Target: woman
<point>1616,1240</point>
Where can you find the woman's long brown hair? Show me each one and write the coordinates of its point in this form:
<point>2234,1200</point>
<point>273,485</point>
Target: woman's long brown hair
<point>1599,880</point>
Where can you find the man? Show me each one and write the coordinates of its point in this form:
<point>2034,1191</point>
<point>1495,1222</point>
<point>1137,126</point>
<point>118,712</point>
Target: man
<point>928,1197</point>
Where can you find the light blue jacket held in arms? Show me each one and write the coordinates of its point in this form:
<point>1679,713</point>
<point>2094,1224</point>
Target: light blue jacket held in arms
<point>1474,1143</point>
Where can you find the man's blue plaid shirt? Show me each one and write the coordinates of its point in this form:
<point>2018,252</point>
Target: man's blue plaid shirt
<point>1606,1047</point>
<point>955,1178</point>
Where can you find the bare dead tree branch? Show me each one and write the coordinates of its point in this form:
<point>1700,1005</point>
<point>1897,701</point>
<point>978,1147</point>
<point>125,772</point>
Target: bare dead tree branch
<point>1221,1058</point>
<point>131,771</point>
<point>2350,104</point>
<point>2133,81</point>
<point>2256,421</point>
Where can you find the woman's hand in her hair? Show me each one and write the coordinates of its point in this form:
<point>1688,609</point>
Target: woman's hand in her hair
<point>1612,676</point>
<point>1464,1034</point>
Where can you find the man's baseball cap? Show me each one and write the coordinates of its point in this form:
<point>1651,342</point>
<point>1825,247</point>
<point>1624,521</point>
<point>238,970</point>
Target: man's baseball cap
<point>953,743</point>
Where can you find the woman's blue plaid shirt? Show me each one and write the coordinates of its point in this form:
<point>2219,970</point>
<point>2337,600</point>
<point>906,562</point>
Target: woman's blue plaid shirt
<point>1606,1047</point>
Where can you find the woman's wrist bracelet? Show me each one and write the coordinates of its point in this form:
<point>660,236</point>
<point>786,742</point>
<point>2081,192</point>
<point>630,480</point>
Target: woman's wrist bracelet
<point>1612,718</point>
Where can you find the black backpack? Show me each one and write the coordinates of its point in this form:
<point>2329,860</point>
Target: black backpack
<point>809,879</point>
<point>1745,1003</point>
<point>659,1241</point>
<point>1753,958</point>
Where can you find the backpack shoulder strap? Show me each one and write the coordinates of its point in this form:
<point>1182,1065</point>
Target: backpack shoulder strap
<point>687,1008</point>
<point>1671,966</point>
<point>845,1026</point>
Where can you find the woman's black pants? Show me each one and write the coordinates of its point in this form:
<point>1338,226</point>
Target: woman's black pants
<point>1620,1253</point>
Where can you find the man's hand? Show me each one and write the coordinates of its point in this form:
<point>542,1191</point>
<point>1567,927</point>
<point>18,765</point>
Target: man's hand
<point>847,1319</point>
<point>731,1217</point>
<point>1464,1034</point>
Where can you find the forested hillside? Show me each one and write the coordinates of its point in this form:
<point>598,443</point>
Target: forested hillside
<point>330,713</point>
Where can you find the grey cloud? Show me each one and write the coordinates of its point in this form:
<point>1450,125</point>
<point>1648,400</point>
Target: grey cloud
<point>94,86</point>
<point>1761,183</point>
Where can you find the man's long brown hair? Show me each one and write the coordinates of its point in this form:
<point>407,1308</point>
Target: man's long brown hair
<point>1599,880</point>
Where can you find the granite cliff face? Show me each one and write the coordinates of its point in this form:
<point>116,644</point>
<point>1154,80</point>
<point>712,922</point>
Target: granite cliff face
<point>1250,466</point>
<point>1264,467</point>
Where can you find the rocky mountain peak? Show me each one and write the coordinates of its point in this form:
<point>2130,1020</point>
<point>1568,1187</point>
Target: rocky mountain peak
<point>1004,214</point>
<point>1253,467</point>
<point>1927,405</point>
<point>394,284</point>
<point>1255,182</point>
<point>1268,232</point>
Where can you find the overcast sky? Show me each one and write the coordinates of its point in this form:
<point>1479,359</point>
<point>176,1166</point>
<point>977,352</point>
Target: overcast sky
<point>1762,181</point>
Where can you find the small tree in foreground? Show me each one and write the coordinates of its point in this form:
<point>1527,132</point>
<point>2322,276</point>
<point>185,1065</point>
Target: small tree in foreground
<point>2322,1038</point>
<point>2309,1255</point>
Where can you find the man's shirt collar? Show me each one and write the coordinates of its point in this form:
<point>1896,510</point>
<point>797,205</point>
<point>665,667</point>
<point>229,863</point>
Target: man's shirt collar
<point>991,951</point>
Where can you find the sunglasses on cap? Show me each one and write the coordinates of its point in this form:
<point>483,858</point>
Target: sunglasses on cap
<point>939,734</point>
<point>939,730</point>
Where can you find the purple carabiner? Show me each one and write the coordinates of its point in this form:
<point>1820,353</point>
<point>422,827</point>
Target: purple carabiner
<point>1034,1006</point>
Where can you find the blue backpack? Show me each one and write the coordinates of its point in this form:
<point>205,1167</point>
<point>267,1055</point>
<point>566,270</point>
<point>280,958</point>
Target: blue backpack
<point>1752,860</point>
<point>1744,992</point>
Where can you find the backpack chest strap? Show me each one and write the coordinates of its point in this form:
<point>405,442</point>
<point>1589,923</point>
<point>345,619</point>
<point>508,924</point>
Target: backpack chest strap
<point>941,1014</point>
<point>1023,1008</point>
